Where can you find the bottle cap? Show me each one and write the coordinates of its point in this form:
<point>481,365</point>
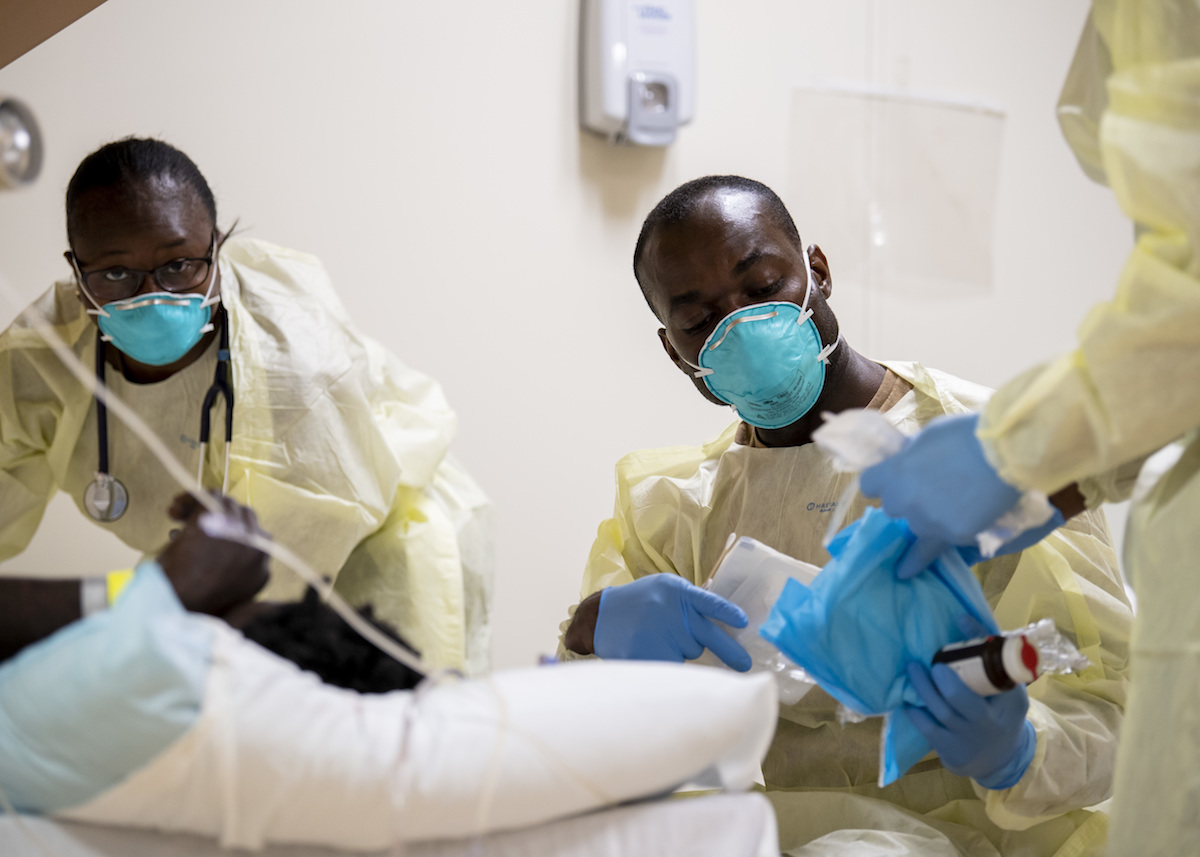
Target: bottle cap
<point>1020,659</point>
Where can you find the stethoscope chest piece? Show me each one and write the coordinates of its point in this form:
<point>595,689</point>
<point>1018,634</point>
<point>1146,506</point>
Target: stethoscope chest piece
<point>105,498</point>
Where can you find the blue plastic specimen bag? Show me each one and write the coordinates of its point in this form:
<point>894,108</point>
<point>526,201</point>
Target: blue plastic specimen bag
<point>856,627</point>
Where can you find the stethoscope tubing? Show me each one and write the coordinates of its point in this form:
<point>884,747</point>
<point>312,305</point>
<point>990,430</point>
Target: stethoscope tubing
<point>101,410</point>
<point>221,386</point>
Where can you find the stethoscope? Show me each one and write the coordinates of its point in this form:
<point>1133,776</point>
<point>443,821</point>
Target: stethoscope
<point>105,498</point>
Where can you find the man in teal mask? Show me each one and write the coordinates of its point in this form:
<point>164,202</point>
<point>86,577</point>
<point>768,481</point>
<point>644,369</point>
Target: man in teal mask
<point>745,315</point>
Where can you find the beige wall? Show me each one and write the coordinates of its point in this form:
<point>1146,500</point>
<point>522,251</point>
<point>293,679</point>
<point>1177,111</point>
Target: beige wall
<point>28,23</point>
<point>428,153</point>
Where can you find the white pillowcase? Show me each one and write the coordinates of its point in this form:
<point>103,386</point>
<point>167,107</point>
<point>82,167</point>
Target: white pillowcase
<point>278,757</point>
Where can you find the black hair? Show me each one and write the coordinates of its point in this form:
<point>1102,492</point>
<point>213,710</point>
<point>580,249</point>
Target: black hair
<point>311,635</point>
<point>680,204</point>
<point>136,160</point>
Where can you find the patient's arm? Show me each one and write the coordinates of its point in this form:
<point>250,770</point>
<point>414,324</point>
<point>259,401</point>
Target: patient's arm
<point>209,575</point>
<point>580,635</point>
<point>33,609</point>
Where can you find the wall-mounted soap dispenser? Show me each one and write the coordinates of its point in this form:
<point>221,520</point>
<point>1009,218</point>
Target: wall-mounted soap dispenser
<point>637,69</point>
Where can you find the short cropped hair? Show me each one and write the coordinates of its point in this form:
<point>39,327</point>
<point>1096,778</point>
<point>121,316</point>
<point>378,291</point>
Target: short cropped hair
<point>680,204</point>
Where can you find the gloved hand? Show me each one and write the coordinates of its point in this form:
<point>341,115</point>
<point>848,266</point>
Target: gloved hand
<point>662,617</point>
<point>1029,538</point>
<point>986,738</point>
<point>942,485</point>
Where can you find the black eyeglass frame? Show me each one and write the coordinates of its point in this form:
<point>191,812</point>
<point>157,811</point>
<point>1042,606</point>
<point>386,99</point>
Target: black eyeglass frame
<point>81,276</point>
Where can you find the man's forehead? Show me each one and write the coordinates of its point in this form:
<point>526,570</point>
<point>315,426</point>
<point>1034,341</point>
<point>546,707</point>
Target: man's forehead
<point>724,211</point>
<point>734,205</point>
<point>720,231</point>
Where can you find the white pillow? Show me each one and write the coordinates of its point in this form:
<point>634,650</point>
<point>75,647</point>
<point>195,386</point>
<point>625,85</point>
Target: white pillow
<point>278,757</point>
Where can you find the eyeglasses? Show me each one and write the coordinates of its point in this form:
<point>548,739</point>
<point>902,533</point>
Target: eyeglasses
<point>118,283</point>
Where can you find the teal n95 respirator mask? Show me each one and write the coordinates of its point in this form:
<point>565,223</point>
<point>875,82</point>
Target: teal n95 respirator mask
<point>159,328</point>
<point>767,360</point>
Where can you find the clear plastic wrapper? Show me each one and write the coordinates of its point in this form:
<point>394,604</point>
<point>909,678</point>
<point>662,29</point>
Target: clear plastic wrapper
<point>998,663</point>
<point>1056,654</point>
<point>751,575</point>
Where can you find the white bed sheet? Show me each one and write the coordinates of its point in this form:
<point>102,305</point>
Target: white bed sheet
<point>740,825</point>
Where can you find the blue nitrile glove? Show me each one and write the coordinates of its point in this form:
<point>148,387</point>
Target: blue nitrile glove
<point>1027,539</point>
<point>986,738</point>
<point>942,485</point>
<point>662,617</point>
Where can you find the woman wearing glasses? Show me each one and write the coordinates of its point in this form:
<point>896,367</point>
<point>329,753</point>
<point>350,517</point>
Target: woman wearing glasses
<point>339,448</point>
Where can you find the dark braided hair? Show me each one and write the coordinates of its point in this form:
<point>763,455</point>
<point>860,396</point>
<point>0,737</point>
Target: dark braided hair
<point>136,160</point>
<point>316,639</point>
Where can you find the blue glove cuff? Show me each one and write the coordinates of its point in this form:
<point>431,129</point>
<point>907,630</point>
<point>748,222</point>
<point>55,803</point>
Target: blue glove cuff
<point>602,645</point>
<point>1010,774</point>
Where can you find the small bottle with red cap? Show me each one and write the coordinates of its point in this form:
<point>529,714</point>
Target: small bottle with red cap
<point>994,664</point>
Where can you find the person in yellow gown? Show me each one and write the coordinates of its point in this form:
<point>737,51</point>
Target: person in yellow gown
<point>341,449</point>
<point>1124,398</point>
<point>725,247</point>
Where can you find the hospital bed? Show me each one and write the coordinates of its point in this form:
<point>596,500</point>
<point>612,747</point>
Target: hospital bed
<point>729,825</point>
